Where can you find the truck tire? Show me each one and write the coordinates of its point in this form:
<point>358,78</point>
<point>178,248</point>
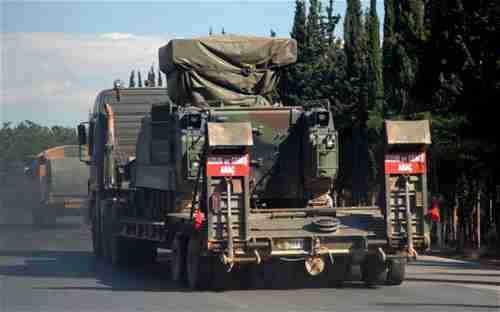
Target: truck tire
<point>44,215</point>
<point>373,271</point>
<point>198,267</point>
<point>220,279</point>
<point>106,230</point>
<point>266,275</point>
<point>396,272</point>
<point>338,272</point>
<point>37,216</point>
<point>145,252</point>
<point>50,215</point>
<point>120,246</point>
<point>119,251</point>
<point>178,259</point>
<point>96,230</point>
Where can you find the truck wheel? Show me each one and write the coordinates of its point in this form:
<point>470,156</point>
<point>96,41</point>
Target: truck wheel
<point>266,275</point>
<point>106,230</point>
<point>339,271</point>
<point>96,230</point>
<point>373,271</point>
<point>178,259</point>
<point>220,278</point>
<point>119,250</point>
<point>396,272</point>
<point>50,215</point>
<point>37,216</point>
<point>198,266</point>
<point>146,252</point>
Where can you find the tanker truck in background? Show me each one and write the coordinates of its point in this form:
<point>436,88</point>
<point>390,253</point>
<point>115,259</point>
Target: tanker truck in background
<point>237,187</point>
<point>60,184</point>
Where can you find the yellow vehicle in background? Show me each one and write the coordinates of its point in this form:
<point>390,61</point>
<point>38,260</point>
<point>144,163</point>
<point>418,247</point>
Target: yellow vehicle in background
<point>61,183</point>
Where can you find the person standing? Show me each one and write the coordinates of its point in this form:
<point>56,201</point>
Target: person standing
<point>436,220</point>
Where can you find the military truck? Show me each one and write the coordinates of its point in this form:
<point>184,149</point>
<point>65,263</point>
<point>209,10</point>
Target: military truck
<point>234,185</point>
<point>60,184</point>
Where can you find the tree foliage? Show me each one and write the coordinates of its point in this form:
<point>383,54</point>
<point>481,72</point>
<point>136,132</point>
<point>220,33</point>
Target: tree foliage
<point>320,58</point>
<point>403,38</point>
<point>160,79</point>
<point>27,139</point>
<point>139,84</point>
<point>299,27</point>
<point>375,82</point>
<point>329,68</point>
<point>131,83</point>
<point>151,82</point>
<point>441,62</point>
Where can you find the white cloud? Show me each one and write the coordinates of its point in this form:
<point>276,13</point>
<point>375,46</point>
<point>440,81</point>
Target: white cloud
<point>116,36</point>
<point>46,72</point>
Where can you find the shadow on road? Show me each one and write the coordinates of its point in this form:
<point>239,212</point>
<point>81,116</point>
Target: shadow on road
<point>460,274</point>
<point>437,305</point>
<point>446,264</point>
<point>65,264</point>
<point>66,225</point>
<point>454,281</point>
<point>82,265</point>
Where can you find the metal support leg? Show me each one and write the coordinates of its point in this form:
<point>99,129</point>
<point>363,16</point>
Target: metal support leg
<point>409,220</point>
<point>229,260</point>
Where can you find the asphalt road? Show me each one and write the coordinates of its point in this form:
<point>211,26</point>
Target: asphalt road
<point>52,270</point>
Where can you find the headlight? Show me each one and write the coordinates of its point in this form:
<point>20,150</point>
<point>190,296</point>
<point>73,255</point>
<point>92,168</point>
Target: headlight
<point>289,244</point>
<point>117,84</point>
<point>322,118</point>
<point>193,121</point>
<point>330,142</point>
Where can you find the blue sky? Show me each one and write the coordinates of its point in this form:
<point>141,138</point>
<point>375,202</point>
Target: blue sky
<point>56,56</point>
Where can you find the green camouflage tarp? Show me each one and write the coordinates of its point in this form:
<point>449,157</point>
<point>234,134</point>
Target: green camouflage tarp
<point>235,69</point>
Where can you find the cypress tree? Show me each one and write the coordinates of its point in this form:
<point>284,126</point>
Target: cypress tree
<point>313,30</point>
<point>299,27</point>
<point>331,23</point>
<point>387,51</point>
<point>131,83</point>
<point>160,80</point>
<point>151,77</point>
<point>356,69</point>
<point>375,97</point>
<point>404,23</point>
<point>374,55</point>
<point>459,78</point>
<point>354,37</point>
<point>139,79</point>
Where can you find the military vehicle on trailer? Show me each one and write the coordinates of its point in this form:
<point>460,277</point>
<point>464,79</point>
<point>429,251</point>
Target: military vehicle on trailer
<point>231,183</point>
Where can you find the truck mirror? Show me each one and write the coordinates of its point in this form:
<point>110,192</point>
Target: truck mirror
<point>28,172</point>
<point>82,135</point>
<point>117,85</point>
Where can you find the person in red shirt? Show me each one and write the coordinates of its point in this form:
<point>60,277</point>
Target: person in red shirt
<point>435,210</point>
<point>435,220</point>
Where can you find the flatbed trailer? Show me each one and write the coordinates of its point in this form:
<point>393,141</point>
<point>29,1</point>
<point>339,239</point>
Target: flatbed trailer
<point>231,183</point>
<point>321,237</point>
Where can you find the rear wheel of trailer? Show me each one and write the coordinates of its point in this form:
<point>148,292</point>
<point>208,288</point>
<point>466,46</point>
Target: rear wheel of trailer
<point>396,272</point>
